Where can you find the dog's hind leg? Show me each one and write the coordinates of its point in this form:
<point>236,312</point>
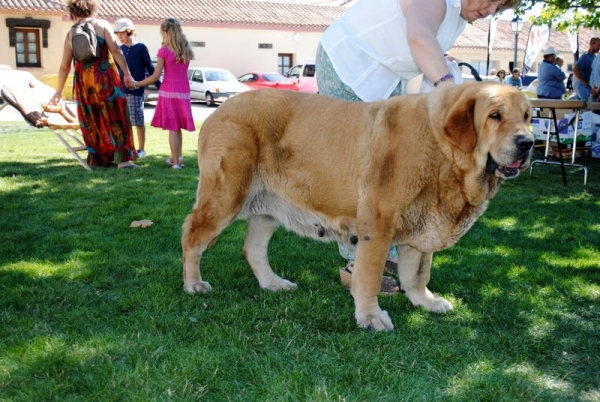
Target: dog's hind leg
<point>198,234</point>
<point>414,270</point>
<point>216,207</point>
<point>260,231</point>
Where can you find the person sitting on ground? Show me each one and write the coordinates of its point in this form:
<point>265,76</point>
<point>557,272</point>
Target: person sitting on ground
<point>550,77</point>
<point>515,79</point>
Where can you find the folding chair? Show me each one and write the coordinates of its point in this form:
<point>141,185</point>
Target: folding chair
<point>29,96</point>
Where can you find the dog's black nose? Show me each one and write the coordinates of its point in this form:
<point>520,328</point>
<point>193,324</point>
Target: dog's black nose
<point>524,142</point>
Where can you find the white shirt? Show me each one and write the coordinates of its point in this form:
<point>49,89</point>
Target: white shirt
<point>368,46</point>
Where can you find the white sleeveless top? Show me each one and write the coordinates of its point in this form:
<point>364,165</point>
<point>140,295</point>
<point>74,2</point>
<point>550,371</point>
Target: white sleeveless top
<point>368,45</point>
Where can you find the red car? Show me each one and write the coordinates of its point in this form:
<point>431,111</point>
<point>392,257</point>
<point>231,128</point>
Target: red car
<point>260,80</point>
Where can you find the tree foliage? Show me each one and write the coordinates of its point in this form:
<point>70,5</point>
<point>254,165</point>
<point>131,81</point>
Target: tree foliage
<point>564,15</point>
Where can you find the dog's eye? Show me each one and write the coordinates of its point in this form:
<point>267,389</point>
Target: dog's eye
<point>496,116</point>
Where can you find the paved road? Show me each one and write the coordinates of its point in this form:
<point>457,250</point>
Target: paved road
<point>199,110</point>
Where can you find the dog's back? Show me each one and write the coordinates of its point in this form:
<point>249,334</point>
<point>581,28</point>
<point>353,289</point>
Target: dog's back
<point>276,161</point>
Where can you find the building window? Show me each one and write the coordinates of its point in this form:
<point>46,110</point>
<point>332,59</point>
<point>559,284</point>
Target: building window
<point>27,47</point>
<point>28,36</point>
<point>284,63</point>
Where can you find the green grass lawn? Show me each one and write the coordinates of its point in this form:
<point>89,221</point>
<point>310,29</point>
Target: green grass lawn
<point>93,310</point>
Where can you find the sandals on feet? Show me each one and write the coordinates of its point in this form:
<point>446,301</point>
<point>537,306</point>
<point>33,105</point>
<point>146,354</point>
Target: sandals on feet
<point>391,267</point>
<point>170,162</point>
<point>388,284</point>
<point>127,165</point>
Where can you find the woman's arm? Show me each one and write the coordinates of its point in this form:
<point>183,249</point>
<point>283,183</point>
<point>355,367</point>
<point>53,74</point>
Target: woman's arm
<point>423,20</point>
<point>115,50</point>
<point>63,71</point>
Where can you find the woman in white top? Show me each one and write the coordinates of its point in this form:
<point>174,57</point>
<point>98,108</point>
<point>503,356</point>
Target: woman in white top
<point>377,46</point>
<point>501,76</point>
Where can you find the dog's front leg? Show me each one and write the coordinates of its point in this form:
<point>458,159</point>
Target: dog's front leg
<point>366,283</point>
<point>414,269</point>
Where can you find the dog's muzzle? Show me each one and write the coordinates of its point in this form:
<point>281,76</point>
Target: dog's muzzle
<point>524,145</point>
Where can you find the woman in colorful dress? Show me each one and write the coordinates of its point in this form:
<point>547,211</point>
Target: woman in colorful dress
<point>174,107</point>
<point>101,103</point>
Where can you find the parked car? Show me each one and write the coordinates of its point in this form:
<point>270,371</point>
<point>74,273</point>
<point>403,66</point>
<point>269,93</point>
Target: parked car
<point>304,76</point>
<point>528,78</point>
<point>213,85</point>
<point>260,79</point>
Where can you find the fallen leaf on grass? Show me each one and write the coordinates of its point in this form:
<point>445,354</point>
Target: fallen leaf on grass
<point>144,223</point>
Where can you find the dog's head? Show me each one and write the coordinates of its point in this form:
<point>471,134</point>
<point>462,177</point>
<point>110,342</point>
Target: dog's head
<point>488,125</point>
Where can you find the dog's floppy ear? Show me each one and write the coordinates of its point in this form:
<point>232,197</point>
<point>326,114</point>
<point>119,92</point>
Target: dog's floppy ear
<point>459,126</point>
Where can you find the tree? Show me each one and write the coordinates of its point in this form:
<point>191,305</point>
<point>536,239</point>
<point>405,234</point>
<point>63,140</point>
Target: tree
<point>565,15</point>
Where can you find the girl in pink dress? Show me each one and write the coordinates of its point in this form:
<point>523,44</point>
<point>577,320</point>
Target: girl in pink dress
<point>174,108</point>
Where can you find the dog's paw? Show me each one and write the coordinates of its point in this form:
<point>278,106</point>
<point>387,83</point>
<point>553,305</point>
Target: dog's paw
<point>379,322</point>
<point>435,304</point>
<point>431,302</point>
<point>439,305</point>
<point>277,284</point>
<point>198,287</point>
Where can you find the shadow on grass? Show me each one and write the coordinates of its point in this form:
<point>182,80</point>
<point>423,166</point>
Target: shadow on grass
<point>92,307</point>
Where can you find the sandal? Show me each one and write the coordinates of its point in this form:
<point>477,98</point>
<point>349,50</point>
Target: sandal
<point>127,165</point>
<point>391,267</point>
<point>388,284</point>
<point>170,162</point>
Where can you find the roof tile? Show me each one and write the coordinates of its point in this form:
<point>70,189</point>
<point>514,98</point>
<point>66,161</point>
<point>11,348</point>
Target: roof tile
<point>199,11</point>
<point>240,12</point>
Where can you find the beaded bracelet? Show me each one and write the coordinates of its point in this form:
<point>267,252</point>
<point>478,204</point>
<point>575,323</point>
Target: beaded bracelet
<point>443,79</point>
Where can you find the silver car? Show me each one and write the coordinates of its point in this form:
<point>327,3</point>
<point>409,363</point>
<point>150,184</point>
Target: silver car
<point>213,85</point>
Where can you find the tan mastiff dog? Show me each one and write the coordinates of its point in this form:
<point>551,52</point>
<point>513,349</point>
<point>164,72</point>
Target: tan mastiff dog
<point>415,171</point>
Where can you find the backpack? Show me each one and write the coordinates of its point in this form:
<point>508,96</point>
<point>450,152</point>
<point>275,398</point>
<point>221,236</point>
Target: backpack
<point>84,42</point>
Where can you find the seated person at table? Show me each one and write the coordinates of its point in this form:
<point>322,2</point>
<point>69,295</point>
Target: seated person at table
<point>515,79</point>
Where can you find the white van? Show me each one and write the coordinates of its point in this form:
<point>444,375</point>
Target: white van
<point>304,76</point>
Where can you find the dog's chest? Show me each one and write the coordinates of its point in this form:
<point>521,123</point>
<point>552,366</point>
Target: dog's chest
<point>440,228</point>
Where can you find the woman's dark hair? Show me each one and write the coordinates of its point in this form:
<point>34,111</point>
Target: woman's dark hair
<point>82,8</point>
